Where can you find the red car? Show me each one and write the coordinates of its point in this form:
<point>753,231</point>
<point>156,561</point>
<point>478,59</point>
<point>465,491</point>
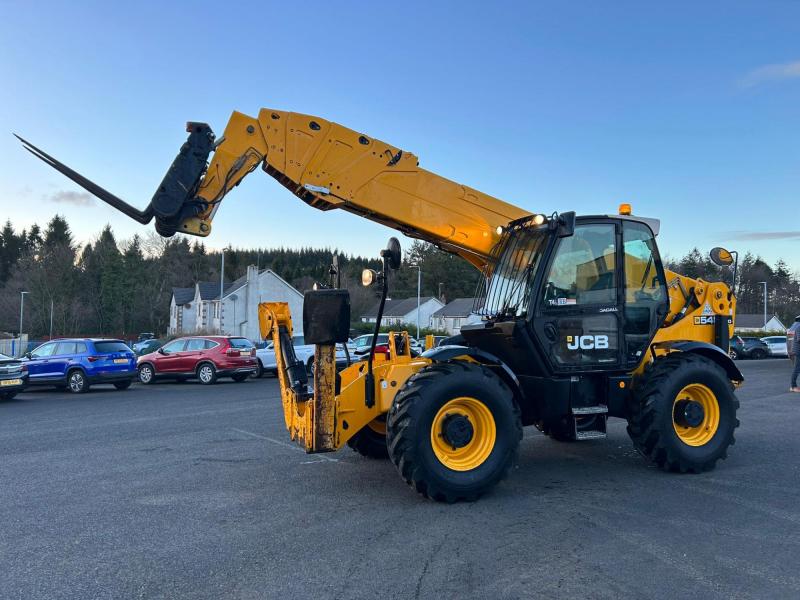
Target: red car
<point>205,358</point>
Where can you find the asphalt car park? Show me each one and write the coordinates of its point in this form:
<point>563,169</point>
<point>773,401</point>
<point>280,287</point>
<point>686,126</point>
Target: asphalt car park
<point>177,490</point>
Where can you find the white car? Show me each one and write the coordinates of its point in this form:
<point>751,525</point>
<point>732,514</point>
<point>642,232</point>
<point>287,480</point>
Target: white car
<point>777,345</point>
<point>303,351</point>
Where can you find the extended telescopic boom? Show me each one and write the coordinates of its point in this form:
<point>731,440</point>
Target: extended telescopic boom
<point>327,166</point>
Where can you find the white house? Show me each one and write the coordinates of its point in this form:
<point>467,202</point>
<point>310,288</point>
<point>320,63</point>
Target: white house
<point>241,299</point>
<point>404,310</point>
<point>748,322</point>
<point>450,318</point>
<point>200,309</point>
<point>182,314</point>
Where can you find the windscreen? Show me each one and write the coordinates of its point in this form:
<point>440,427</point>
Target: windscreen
<point>507,290</point>
<point>241,343</point>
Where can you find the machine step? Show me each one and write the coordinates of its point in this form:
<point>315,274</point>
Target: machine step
<point>590,435</point>
<point>590,410</point>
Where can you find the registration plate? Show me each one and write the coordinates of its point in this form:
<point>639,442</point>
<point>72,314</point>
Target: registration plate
<point>10,382</point>
<point>121,361</point>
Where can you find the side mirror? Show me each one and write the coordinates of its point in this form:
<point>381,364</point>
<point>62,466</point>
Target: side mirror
<point>392,254</point>
<point>721,257</point>
<point>28,355</point>
<point>161,351</point>
<point>566,224</point>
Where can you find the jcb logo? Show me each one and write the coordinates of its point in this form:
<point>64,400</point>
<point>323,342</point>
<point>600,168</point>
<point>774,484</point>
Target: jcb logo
<point>587,342</point>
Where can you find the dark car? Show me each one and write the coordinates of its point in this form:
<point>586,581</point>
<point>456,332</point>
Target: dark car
<point>748,347</point>
<point>205,358</point>
<point>13,377</point>
<point>76,364</point>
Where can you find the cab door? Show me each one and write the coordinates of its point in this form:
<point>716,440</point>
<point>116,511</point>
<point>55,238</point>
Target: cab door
<point>645,290</point>
<point>578,315</point>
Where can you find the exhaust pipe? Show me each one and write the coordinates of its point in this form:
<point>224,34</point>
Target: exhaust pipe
<point>175,199</point>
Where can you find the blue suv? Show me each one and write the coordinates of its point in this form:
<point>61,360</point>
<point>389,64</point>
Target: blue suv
<point>75,364</point>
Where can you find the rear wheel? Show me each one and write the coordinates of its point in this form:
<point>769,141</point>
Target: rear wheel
<point>206,373</point>
<point>76,382</point>
<point>453,431</point>
<point>758,354</point>
<point>239,377</point>
<point>371,440</point>
<point>733,354</point>
<point>122,385</point>
<point>683,413</point>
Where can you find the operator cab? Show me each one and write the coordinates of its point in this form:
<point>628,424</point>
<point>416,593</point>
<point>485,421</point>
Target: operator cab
<point>571,295</point>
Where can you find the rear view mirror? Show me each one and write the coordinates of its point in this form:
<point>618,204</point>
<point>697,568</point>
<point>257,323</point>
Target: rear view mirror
<point>392,253</point>
<point>566,224</point>
<point>721,257</point>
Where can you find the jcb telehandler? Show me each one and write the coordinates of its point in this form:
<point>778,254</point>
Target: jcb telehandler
<point>579,319</point>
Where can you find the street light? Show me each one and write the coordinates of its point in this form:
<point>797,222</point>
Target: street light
<point>21,306</point>
<point>764,283</point>
<point>419,291</point>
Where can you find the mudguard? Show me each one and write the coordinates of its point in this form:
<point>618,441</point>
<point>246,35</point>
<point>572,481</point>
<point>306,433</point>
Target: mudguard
<point>445,353</point>
<point>710,351</point>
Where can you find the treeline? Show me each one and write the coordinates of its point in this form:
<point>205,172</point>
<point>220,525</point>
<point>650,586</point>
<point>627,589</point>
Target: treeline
<point>783,286</point>
<point>123,287</point>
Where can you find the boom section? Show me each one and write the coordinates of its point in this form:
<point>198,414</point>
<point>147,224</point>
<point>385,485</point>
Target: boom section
<point>329,166</point>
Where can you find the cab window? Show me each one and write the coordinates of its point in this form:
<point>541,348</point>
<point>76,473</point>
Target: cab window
<point>583,269</point>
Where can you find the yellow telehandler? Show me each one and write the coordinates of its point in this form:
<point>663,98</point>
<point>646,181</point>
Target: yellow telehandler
<point>579,320</point>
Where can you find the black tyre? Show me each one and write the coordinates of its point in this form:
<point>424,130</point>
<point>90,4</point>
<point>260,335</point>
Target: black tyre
<point>123,385</point>
<point>453,431</point>
<point>259,370</point>
<point>683,413</point>
<point>371,441</point>
<point>77,382</point>
<point>310,366</point>
<point>733,354</point>
<point>206,373</point>
<point>7,395</point>
<point>147,374</point>
<point>240,377</point>
<point>758,354</point>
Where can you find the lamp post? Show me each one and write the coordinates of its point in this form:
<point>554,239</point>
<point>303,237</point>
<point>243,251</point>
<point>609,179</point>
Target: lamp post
<point>234,298</point>
<point>419,291</point>
<point>764,283</point>
<point>21,307</point>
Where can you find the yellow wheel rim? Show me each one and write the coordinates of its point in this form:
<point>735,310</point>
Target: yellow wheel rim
<point>378,426</point>
<point>705,430</point>
<point>481,443</point>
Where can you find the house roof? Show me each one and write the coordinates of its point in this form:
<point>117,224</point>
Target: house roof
<point>183,295</point>
<point>460,307</point>
<point>209,290</point>
<point>397,308</point>
<point>753,321</point>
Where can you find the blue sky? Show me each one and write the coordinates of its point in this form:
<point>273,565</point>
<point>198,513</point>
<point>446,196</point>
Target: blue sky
<point>689,111</point>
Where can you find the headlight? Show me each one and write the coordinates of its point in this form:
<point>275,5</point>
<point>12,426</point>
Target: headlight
<point>368,277</point>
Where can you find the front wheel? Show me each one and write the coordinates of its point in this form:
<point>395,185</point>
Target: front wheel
<point>7,395</point>
<point>758,354</point>
<point>683,413</point>
<point>453,431</point>
<point>240,377</point>
<point>146,374</point>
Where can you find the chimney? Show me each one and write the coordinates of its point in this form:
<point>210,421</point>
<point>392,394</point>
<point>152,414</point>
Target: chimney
<point>252,273</point>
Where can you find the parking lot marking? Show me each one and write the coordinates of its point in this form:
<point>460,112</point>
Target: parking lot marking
<point>321,457</point>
